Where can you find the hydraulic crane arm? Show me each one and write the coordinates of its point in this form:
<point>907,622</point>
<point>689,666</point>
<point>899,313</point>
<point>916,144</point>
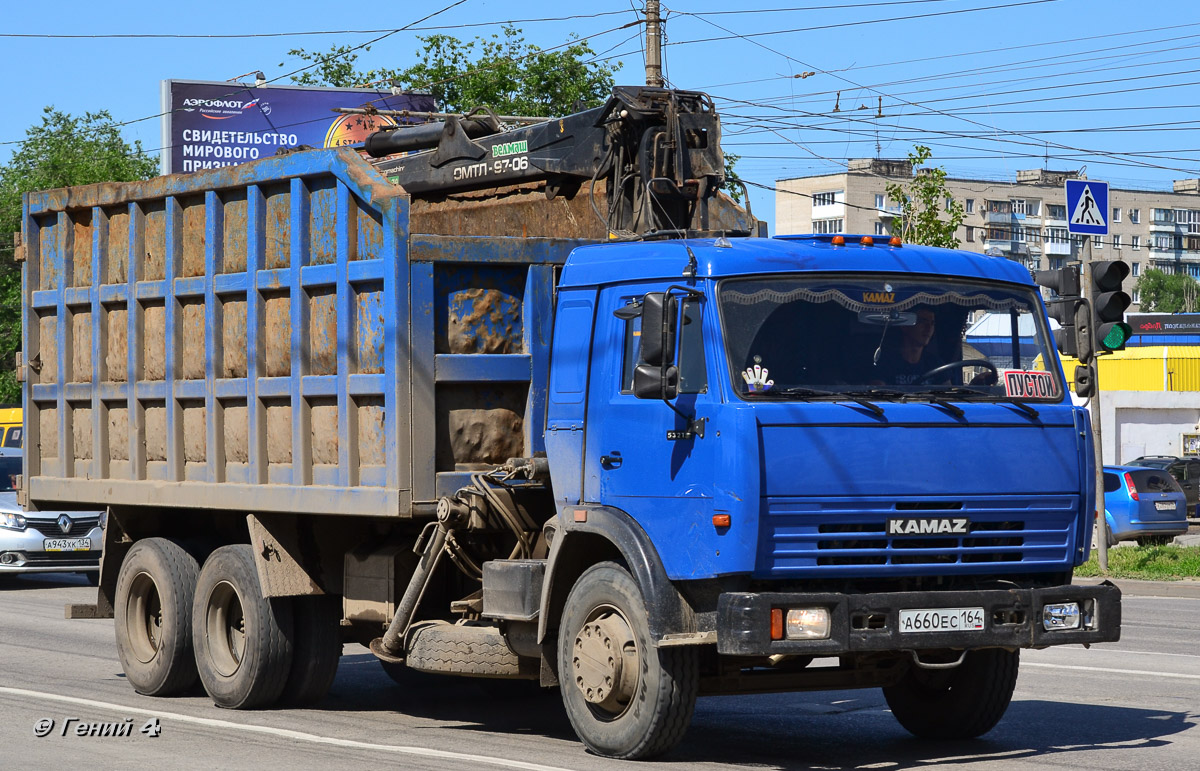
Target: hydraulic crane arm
<point>658,150</point>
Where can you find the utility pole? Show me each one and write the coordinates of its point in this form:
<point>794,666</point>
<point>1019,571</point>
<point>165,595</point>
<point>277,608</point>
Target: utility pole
<point>654,76</point>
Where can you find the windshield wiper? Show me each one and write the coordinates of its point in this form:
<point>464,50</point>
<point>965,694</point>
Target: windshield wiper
<point>1030,411</point>
<point>802,391</point>
<point>965,391</point>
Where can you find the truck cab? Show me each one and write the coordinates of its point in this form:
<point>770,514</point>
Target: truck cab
<point>796,436</point>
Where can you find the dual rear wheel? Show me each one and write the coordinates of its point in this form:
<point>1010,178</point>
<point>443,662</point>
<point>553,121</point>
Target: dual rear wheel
<point>177,622</point>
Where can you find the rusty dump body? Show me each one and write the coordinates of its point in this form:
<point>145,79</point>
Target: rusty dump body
<point>290,335</point>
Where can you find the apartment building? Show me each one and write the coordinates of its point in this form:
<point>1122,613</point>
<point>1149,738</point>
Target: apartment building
<point>1025,220</point>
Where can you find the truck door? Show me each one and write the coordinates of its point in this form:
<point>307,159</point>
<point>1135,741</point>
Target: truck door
<point>629,462</point>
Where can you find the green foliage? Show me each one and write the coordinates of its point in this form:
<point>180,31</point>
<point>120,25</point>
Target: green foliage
<point>502,72</point>
<point>735,191</point>
<point>1149,563</point>
<point>923,202</point>
<point>1160,292</point>
<point>63,150</point>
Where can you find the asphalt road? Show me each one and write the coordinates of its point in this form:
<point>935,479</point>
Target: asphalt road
<point>1129,705</point>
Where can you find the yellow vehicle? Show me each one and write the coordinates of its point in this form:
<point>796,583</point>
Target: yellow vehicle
<point>10,427</point>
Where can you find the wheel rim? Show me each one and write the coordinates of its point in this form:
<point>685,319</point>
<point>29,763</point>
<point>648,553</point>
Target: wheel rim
<point>143,614</point>
<point>225,623</point>
<point>606,662</point>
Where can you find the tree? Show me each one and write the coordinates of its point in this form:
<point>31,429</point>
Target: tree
<point>1161,292</point>
<point>923,201</point>
<point>62,150</point>
<point>502,72</point>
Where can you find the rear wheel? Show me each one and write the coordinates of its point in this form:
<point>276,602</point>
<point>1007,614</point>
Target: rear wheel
<point>959,703</point>
<point>317,645</point>
<point>242,639</point>
<point>625,697</point>
<point>153,615</point>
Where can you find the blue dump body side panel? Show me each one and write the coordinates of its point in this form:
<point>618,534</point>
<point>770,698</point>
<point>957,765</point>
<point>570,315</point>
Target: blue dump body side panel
<point>274,337</point>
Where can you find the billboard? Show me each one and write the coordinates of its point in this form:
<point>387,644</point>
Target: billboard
<point>209,124</point>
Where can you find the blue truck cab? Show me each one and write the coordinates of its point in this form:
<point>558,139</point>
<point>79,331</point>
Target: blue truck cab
<point>785,484</point>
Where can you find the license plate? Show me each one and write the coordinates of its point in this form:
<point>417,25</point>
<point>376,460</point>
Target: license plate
<point>67,544</point>
<point>942,620</point>
<point>1165,505</point>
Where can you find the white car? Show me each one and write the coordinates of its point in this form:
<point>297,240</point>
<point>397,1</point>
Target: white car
<point>44,541</point>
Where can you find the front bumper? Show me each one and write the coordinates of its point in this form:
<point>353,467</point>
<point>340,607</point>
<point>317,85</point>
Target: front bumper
<point>870,622</point>
<point>25,552</point>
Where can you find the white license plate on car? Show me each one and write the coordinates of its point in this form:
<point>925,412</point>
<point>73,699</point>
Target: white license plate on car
<point>67,544</point>
<point>1165,505</point>
<point>942,620</point>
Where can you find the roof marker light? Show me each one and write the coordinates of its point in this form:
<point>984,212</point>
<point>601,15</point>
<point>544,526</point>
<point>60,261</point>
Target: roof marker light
<point>839,241</point>
<point>895,241</point>
<point>867,241</point>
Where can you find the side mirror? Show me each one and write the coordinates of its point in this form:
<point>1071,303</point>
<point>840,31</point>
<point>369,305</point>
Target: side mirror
<point>651,382</point>
<point>659,311</point>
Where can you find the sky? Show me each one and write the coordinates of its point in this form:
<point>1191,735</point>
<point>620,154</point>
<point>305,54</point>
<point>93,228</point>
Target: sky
<point>991,86</point>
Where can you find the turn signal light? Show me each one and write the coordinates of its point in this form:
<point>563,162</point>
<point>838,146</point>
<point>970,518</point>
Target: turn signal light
<point>721,520</point>
<point>776,623</point>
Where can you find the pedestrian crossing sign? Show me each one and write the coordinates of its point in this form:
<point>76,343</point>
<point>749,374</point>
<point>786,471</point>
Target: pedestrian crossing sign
<point>1087,207</point>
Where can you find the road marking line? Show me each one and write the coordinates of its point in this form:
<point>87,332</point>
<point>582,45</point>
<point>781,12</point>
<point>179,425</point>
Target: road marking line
<point>284,732</point>
<point>1177,675</point>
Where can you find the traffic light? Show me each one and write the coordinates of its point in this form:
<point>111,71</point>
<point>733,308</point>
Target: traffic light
<point>1064,308</point>
<point>1109,304</point>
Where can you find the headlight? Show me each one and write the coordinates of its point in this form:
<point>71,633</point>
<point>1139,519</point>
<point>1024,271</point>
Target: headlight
<point>104,519</point>
<point>1061,616</point>
<point>12,521</point>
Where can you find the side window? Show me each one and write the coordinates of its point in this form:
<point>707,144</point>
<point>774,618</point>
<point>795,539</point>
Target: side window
<point>13,437</point>
<point>633,339</point>
<point>1111,485</point>
<point>1179,471</point>
<point>693,378</point>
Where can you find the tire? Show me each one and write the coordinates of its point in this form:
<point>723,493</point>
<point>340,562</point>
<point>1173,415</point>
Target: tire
<point>638,703</point>
<point>959,703</point>
<point>243,640</point>
<point>316,648</point>
<point>464,649</point>
<point>153,617</point>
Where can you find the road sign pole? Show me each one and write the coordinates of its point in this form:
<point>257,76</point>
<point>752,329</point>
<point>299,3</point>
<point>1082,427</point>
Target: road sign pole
<point>1094,411</point>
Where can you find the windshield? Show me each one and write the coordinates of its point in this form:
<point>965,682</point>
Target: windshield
<point>884,337</point>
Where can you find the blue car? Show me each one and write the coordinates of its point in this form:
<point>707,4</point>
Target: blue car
<point>1143,504</point>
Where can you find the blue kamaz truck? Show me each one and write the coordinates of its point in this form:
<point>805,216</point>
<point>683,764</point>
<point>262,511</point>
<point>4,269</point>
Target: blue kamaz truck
<point>542,404</point>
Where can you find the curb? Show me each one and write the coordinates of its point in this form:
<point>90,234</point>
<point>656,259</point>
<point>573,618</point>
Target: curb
<point>1188,587</point>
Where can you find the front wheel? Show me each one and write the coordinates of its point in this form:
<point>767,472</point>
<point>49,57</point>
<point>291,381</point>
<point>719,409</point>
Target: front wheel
<point>959,703</point>
<point>626,698</point>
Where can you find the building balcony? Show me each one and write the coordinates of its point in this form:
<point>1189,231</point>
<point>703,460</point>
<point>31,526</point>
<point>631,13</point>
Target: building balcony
<point>1058,248</point>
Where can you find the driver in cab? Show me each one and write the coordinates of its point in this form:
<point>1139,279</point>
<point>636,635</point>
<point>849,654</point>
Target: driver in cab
<point>908,356</point>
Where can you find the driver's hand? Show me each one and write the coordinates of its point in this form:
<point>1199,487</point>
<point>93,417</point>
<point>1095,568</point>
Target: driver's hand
<point>756,379</point>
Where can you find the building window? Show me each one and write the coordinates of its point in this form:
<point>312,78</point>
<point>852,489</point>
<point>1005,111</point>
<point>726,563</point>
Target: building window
<point>1018,206</point>
<point>1056,212</point>
<point>1193,243</point>
<point>1163,241</point>
<point>1098,241</point>
<point>998,234</point>
<point>1116,214</point>
<point>1033,234</point>
<point>879,200</point>
<point>1193,271</point>
<point>1134,296</point>
<point>1135,216</point>
<point>1033,208</point>
<point>1056,235</point>
<point>999,207</point>
<point>827,226</point>
<point>880,229</point>
<point>949,204</point>
<point>1135,268</point>
<point>825,199</point>
<point>970,234</point>
<point>1135,241</point>
<point>1116,241</point>
<point>970,206</point>
<point>1165,216</point>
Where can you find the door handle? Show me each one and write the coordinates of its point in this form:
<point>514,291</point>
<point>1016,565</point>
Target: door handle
<point>612,460</point>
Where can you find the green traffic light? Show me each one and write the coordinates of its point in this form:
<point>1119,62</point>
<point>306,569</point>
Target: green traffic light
<point>1115,336</point>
